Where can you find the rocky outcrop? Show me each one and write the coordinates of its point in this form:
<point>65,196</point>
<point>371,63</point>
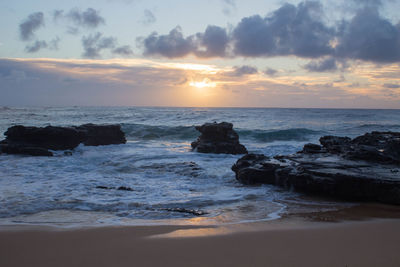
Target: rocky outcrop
<point>219,138</point>
<point>366,168</point>
<point>37,141</point>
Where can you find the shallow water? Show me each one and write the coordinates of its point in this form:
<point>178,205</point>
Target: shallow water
<point>167,179</point>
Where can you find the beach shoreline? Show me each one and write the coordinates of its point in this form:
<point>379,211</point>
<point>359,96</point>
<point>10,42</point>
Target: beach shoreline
<point>290,241</point>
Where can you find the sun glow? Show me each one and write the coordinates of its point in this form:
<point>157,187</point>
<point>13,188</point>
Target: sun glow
<point>206,83</point>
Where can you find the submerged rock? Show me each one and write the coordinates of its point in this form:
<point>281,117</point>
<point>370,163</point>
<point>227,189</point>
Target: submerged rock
<point>121,188</point>
<point>365,168</point>
<point>36,141</point>
<point>219,138</point>
<point>188,211</point>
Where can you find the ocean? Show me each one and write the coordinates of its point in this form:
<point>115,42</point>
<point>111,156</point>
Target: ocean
<point>169,183</point>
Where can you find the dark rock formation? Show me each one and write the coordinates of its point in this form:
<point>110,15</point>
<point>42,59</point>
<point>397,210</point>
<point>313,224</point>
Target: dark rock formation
<point>218,138</point>
<point>188,211</point>
<point>25,150</point>
<point>365,168</point>
<point>97,135</point>
<point>50,137</point>
<point>36,141</point>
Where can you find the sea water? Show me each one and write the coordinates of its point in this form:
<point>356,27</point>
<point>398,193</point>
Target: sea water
<point>168,181</point>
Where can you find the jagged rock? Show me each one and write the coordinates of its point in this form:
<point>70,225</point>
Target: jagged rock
<point>36,141</point>
<point>219,138</point>
<point>335,144</point>
<point>365,168</point>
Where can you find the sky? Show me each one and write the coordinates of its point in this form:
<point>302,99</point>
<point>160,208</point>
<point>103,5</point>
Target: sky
<point>200,53</point>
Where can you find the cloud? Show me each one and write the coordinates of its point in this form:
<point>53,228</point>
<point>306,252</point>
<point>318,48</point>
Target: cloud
<point>42,44</point>
<point>36,46</point>
<point>242,71</point>
<point>149,17</point>
<point>172,45</point>
<point>89,18</point>
<point>270,72</point>
<point>391,85</point>
<point>229,7</point>
<point>369,37</point>
<point>93,44</point>
<point>290,30</point>
<point>322,65</point>
<point>30,25</point>
<point>212,43</point>
<point>54,43</point>
<point>125,50</point>
<point>70,82</point>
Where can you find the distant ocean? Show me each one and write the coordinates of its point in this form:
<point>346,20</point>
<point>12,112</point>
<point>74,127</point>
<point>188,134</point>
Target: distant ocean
<point>169,182</point>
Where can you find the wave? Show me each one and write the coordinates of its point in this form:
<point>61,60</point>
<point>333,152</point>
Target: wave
<point>150,132</point>
<point>189,133</point>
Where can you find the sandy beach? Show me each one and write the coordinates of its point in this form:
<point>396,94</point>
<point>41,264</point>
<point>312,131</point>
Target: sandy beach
<point>277,243</point>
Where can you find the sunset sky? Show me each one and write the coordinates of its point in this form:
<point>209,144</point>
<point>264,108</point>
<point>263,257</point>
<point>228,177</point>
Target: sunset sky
<point>218,53</point>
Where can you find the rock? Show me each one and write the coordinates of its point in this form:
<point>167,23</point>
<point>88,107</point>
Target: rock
<point>25,150</point>
<point>335,144</point>
<point>50,137</point>
<point>97,135</point>
<point>124,188</point>
<point>364,169</point>
<point>219,138</point>
<point>36,141</point>
<point>188,211</point>
<point>121,188</point>
<point>312,148</point>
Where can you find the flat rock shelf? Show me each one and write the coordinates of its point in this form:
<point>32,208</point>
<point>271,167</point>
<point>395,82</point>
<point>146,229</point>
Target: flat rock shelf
<point>366,168</point>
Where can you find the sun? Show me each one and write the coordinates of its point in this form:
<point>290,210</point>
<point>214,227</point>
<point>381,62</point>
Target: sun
<point>205,83</point>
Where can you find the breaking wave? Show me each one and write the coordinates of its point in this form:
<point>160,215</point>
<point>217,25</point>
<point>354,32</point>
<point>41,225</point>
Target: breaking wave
<point>189,133</point>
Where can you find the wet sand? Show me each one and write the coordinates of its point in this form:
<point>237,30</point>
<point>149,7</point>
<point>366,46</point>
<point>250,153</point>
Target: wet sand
<point>284,242</point>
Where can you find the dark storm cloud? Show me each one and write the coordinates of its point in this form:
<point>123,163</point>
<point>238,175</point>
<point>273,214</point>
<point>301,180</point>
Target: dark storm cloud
<point>322,65</point>
<point>172,45</point>
<point>239,71</point>
<point>125,50</point>
<point>149,17</point>
<point>93,44</point>
<point>30,25</point>
<point>369,37</point>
